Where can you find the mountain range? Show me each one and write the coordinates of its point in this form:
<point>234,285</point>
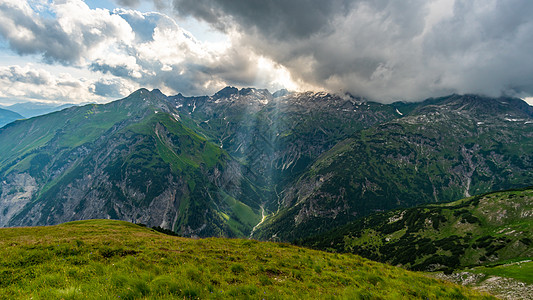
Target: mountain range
<point>442,150</point>
<point>280,166</point>
<point>33,109</point>
<point>8,116</point>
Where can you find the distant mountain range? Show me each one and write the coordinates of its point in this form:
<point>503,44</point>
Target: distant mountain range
<point>280,166</point>
<point>32,109</point>
<point>8,116</point>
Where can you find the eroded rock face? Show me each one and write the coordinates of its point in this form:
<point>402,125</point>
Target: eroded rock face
<point>501,287</point>
<point>16,191</point>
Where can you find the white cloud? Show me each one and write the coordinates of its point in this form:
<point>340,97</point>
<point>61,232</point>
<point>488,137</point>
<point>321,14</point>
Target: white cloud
<point>130,49</point>
<point>111,87</point>
<point>31,83</point>
<point>69,32</point>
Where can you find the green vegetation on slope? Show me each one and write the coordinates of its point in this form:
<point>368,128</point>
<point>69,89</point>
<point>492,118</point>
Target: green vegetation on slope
<point>520,270</point>
<point>443,151</point>
<point>486,230</point>
<point>279,138</point>
<point>102,259</point>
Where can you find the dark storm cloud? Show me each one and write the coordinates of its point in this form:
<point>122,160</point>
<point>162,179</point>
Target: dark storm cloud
<point>488,48</point>
<point>275,19</point>
<point>381,49</point>
<point>387,50</point>
<point>160,5</point>
<point>190,77</point>
<point>128,3</point>
<point>119,70</point>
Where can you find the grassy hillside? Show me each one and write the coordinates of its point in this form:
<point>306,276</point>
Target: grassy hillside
<point>489,231</point>
<point>102,259</point>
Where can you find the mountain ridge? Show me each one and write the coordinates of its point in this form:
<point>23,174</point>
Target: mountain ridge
<point>8,116</point>
<point>214,163</point>
<point>110,164</point>
<point>33,109</point>
<point>440,151</point>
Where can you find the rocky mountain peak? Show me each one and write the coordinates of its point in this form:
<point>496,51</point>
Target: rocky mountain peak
<point>143,99</point>
<point>226,92</point>
<point>480,109</point>
<point>158,93</point>
<point>280,93</point>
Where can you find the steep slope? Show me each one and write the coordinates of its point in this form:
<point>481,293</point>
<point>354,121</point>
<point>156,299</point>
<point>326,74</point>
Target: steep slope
<point>8,116</point>
<point>445,149</point>
<point>131,159</point>
<point>279,136</point>
<point>103,259</point>
<point>481,230</point>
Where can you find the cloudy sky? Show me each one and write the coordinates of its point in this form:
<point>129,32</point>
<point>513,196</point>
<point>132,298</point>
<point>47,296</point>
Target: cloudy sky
<point>96,51</point>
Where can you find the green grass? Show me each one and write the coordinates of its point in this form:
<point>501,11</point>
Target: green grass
<point>242,211</point>
<point>103,259</point>
<point>521,271</point>
<point>195,149</point>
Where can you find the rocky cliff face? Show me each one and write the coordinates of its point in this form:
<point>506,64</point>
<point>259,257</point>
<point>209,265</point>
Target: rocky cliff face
<point>443,150</point>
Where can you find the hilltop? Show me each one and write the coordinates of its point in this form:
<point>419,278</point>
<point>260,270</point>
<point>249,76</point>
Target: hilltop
<point>103,259</point>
